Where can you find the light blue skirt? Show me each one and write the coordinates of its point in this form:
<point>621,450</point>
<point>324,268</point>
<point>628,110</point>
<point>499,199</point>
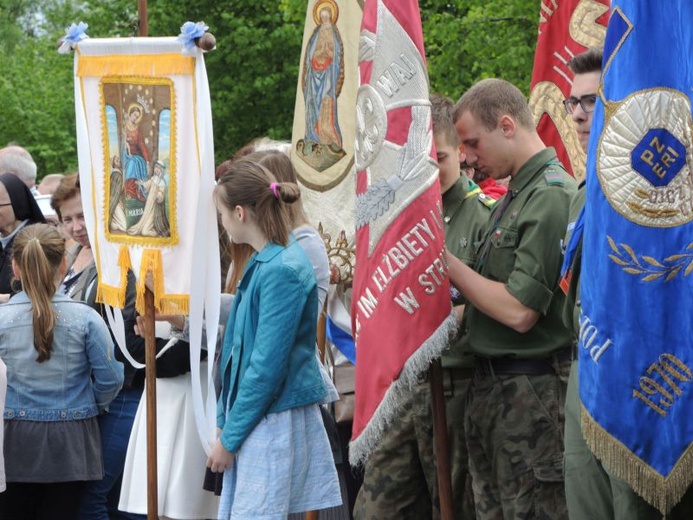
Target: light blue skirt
<point>284,466</point>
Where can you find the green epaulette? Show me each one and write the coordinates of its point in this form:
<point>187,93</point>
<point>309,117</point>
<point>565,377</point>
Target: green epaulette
<point>476,192</point>
<point>486,200</point>
<point>554,176</point>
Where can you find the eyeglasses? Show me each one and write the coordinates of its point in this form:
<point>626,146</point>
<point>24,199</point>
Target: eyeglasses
<point>586,102</point>
<point>6,204</point>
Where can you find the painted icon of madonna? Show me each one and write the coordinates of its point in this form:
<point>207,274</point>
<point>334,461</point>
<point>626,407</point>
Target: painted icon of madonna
<point>140,192</point>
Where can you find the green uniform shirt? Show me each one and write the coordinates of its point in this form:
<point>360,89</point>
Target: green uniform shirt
<point>465,214</point>
<point>525,254</point>
<point>571,307</point>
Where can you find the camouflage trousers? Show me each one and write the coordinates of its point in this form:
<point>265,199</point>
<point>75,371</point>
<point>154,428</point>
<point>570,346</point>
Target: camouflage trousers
<point>400,480</point>
<point>591,491</point>
<point>514,427</point>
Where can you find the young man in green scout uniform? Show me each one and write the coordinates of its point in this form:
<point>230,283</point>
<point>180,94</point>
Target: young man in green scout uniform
<point>400,475</point>
<point>591,491</point>
<point>514,414</point>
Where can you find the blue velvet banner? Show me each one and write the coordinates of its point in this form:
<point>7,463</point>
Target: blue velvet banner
<point>636,336</point>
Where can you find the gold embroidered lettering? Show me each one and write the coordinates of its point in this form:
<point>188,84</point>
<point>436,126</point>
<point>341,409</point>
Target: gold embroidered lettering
<point>668,367</point>
<point>667,158</point>
<point>659,146</point>
<point>666,358</point>
<point>649,403</point>
<point>652,387</point>
<point>659,171</point>
<point>647,156</point>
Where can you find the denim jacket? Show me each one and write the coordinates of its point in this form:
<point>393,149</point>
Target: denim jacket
<point>82,375</point>
<point>268,361</point>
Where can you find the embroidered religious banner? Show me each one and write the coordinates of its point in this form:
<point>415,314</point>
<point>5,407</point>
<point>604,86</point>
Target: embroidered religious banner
<point>322,148</point>
<point>566,28</point>
<point>401,309</point>
<point>146,162</point>
<point>141,154</point>
<point>636,338</point>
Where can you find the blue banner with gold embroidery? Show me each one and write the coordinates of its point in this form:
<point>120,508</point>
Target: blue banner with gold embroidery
<point>636,334</point>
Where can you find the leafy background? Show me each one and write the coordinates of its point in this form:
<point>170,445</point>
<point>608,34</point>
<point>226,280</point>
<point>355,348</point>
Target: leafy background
<point>253,72</point>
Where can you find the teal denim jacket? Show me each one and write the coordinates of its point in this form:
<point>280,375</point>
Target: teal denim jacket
<point>268,361</point>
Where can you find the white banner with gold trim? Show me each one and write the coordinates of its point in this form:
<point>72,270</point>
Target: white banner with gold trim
<point>146,161</point>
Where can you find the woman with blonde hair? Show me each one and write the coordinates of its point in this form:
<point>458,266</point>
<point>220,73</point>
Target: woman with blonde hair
<point>61,374</point>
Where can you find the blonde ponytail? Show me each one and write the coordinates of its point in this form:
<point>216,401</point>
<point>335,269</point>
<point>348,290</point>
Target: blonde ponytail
<point>38,251</point>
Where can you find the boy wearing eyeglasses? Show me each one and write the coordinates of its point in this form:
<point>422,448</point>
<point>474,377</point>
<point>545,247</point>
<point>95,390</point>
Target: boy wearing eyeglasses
<point>583,93</point>
<point>586,483</point>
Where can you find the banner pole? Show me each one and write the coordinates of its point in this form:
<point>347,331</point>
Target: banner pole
<point>150,375</point>
<point>440,440</point>
<point>322,339</point>
<point>142,18</point>
<point>150,351</point>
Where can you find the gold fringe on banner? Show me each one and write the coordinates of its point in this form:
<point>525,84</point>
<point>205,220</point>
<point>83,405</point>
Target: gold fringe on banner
<point>154,65</point>
<point>115,296</point>
<point>659,491</point>
<point>178,304</point>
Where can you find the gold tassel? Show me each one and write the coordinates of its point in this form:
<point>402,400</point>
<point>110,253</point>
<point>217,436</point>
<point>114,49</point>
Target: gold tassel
<point>115,296</point>
<point>659,491</point>
<point>174,304</point>
<point>124,260</point>
<point>178,304</point>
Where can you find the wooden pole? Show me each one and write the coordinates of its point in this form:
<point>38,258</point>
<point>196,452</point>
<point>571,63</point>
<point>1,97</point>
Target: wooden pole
<point>322,332</point>
<point>150,352</point>
<point>150,374</point>
<point>440,440</point>
<point>143,19</point>
<point>322,340</point>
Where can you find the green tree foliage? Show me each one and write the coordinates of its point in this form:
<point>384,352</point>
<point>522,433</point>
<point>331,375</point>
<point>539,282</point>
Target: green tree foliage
<point>469,40</point>
<point>254,70</point>
<point>36,87</point>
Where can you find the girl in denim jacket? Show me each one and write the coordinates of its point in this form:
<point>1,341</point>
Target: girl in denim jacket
<point>61,373</point>
<point>272,445</point>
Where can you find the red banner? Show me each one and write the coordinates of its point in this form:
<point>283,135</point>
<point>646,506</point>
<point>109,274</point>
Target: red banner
<point>401,296</point>
<point>566,28</point>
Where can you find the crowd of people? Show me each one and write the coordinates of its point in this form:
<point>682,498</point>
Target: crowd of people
<point>74,427</point>
<point>84,419</point>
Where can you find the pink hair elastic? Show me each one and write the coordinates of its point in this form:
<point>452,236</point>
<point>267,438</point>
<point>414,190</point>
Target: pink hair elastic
<point>273,187</point>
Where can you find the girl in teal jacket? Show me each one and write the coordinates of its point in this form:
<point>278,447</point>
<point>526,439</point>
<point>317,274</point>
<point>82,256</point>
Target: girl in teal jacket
<point>272,445</point>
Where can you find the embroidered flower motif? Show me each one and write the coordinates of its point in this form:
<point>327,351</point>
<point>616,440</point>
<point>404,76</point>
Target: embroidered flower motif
<point>73,35</point>
<point>189,31</point>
